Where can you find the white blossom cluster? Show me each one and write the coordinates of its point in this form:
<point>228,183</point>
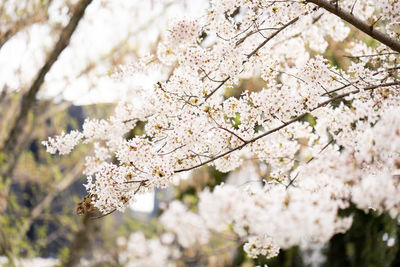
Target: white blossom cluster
<point>329,135</point>
<point>261,246</point>
<point>141,252</point>
<point>390,12</point>
<point>188,226</point>
<point>63,143</point>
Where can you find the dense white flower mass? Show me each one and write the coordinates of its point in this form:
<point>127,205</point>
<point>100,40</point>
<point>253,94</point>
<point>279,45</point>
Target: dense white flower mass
<point>141,252</point>
<point>329,135</point>
<point>188,226</point>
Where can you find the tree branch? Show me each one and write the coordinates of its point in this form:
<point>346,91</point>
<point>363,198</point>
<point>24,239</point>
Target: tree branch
<point>359,24</point>
<point>272,36</point>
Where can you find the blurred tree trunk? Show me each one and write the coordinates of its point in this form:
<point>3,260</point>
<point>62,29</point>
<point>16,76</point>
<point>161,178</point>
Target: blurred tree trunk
<point>11,148</point>
<point>83,238</point>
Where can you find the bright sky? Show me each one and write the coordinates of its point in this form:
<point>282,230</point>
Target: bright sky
<point>135,24</point>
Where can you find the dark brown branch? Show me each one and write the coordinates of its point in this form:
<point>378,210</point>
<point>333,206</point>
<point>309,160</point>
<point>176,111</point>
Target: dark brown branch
<point>227,130</point>
<point>359,24</point>
<point>136,181</point>
<point>232,133</point>
<point>172,151</point>
<point>352,7</point>
<point>216,89</point>
<point>207,75</point>
<point>372,55</point>
<point>337,89</point>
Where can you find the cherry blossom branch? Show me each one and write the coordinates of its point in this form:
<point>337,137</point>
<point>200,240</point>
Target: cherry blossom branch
<point>372,55</point>
<point>232,133</point>
<point>259,30</point>
<point>134,181</point>
<point>308,161</point>
<point>359,24</point>
<point>227,130</point>
<point>337,89</point>
<point>216,89</point>
<point>272,36</point>
<point>172,151</point>
<point>254,52</point>
<point>287,123</point>
<point>142,183</point>
<point>390,70</point>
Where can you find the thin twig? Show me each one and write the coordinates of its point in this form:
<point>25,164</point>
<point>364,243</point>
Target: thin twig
<point>372,55</point>
<point>254,52</point>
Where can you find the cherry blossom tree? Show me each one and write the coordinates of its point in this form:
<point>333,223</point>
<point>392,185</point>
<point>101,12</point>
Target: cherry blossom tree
<point>329,134</point>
